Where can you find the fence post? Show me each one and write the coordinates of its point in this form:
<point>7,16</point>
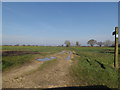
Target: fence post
<point>116,48</point>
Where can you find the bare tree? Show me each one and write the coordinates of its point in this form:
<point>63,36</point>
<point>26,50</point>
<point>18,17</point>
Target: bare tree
<point>67,42</point>
<point>100,43</point>
<point>108,43</point>
<point>113,44</point>
<point>92,42</point>
<point>23,45</point>
<point>17,45</point>
<point>77,43</point>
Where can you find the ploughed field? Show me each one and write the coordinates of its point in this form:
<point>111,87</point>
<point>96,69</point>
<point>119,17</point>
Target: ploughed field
<point>72,66</point>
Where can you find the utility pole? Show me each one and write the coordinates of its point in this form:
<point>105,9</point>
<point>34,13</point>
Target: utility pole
<point>116,48</point>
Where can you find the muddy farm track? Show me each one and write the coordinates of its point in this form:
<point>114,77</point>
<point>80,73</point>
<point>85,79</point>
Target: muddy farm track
<point>39,75</point>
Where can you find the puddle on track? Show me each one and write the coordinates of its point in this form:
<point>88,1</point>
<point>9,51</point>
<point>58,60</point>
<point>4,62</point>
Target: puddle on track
<point>68,57</point>
<point>51,58</point>
<point>46,59</point>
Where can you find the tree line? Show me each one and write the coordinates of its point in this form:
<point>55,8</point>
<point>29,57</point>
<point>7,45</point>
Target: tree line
<point>92,43</point>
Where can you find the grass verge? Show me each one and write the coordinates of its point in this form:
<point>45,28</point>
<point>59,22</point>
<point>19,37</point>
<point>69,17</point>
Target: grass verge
<point>94,68</point>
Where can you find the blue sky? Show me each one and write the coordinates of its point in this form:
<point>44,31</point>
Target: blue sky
<point>52,23</point>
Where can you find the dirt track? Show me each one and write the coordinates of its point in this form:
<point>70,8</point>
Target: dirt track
<point>55,74</point>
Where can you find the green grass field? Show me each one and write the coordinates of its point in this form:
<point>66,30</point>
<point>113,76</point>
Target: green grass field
<point>33,48</point>
<point>91,66</point>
